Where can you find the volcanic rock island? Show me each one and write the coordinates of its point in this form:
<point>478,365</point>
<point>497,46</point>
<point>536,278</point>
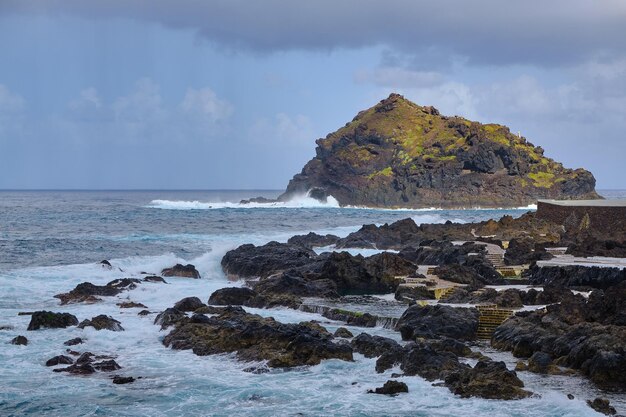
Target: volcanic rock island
<point>400,154</point>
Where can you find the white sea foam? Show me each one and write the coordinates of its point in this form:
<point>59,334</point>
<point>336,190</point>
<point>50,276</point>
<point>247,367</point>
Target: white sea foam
<point>296,202</point>
<point>301,201</point>
<point>181,383</point>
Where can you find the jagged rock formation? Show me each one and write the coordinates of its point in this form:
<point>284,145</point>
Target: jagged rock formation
<point>400,154</point>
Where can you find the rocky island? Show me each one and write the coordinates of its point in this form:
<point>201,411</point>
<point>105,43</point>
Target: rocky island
<point>400,154</point>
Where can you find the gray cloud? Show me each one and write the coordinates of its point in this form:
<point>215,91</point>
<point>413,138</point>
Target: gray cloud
<point>485,31</point>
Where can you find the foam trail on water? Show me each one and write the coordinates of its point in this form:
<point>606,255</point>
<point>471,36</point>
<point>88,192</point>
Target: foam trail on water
<point>296,202</point>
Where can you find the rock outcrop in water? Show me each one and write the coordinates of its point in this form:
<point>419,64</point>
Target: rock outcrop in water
<point>585,334</point>
<point>254,338</point>
<point>400,154</point>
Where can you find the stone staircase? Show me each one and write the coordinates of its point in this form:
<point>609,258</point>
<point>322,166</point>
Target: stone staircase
<point>442,293</point>
<point>496,259</point>
<point>490,317</point>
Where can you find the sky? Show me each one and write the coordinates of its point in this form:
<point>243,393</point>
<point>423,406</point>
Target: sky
<point>232,94</point>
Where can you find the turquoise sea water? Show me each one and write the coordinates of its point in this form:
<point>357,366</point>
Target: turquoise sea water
<point>52,240</point>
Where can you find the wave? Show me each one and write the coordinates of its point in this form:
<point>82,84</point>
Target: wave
<point>299,203</point>
<point>296,202</point>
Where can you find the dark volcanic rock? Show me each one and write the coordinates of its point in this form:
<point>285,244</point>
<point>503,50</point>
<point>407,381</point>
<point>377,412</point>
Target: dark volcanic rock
<point>19,340</point>
<point>59,360</point>
<point>372,346</point>
<point>313,240</point>
<point>107,366</point>
<point>178,270</point>
<point>249,261</point>
<point>388,236</point>
<point>488,379</point>
<point>589,335</point>
<point>102,322</point>
<point>577,276</point>
<point>391,388</point>
<point>294,283</point>
<point>232,296</point>
<point>48,319</point>
<point>87,292</point>
<point>130,304</point>
<point>436,321</point>
<point>602,405</point>
<point>375,161</point>
<point>255,338</point>
<point>169,317</point>
<point>423,360</point>
<point>73,342</point>
<point>123,379</point>
<point>593,246</point>
<point>378,274</point>
<point>78,369</point>
<point>523,251</point>
<point>351,318</point>
<point>189,304</point>
<point>343,332</point>
<point>155,279</point>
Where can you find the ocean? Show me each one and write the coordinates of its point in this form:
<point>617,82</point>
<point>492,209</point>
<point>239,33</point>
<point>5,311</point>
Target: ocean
<point>50,241</point>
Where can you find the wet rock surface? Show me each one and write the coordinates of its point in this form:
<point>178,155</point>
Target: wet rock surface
<point>102,322</point>
<point>313,240</point>
<point>391,388</point>
<point>51,320</point>
<point>585,334</point>
<point>19,340</point>
<point>487,379</point>
<point>178,270</point>
<point>255,338</point>
<point>189,304</point>
<point>87,292</point>
<point>438,321</point>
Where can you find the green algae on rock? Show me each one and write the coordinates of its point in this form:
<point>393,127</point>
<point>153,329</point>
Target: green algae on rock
<point>400,154</point>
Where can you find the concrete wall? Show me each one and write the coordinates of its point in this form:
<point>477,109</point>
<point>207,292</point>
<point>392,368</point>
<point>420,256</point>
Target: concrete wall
<point>601,219</point>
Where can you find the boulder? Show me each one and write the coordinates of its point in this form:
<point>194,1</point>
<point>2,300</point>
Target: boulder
<point>423,360</point>
<point>391,387</point>
<point>59,360</point>
<point>87,292</point>
<point>249,261</point>
<point>73,342</point>
<point>130,304</point>
<point>20,341</point>
<point>169,317</point>
<point>437,321</point>
<point>78,369</point>
<point>343,332</point>
<point>232,296</point>
<point>189,304</point>
<point>313,240</point>
<point>155,279</point>
<point>102,322</point>
<point>373,346</point>
<point>119,380</point>
<point>487,379</point>
<point>50,320</point>
<point>602,405</point>
<point>178,270</point>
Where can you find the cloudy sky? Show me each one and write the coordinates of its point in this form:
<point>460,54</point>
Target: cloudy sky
<point>231,94</point>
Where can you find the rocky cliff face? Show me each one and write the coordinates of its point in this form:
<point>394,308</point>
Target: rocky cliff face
<point>400,154</point>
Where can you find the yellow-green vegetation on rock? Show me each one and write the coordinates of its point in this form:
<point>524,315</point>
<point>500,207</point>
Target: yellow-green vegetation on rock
<point>542,179</point>
<point>400,154</point>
